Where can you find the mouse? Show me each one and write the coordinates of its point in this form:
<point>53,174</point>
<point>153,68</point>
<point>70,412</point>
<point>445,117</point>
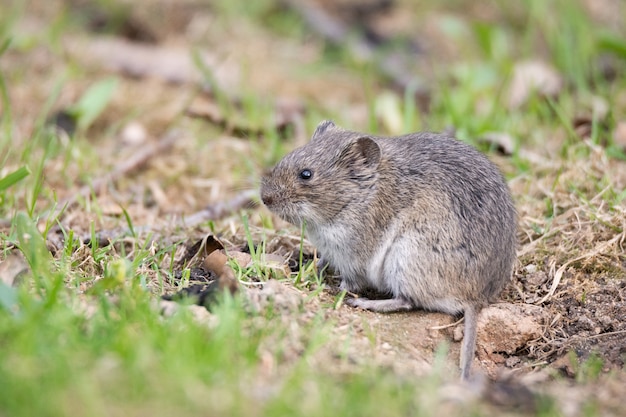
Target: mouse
<point>424,218</point>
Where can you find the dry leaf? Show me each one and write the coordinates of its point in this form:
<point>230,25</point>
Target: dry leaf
<point>201,248</point>
<point>171,64</point>
<point>533,77</point>
<point>216,261</point>
<point>243,259</point>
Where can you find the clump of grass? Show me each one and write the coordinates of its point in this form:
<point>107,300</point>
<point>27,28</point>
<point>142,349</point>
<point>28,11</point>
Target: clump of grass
<point>97,353</point>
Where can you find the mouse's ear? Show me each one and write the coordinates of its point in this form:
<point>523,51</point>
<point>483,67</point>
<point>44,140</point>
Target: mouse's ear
<point>322,127</point>
<point>364,152</point>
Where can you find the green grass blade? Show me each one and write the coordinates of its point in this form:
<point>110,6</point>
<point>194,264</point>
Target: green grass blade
<point>93,102</point>
<point>33,246</point>
<point>614,44</point>
<point>14,177</point>
<point>129,222</point>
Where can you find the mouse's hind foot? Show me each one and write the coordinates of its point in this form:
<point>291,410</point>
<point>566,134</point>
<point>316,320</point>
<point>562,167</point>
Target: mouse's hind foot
<point>389,305</point>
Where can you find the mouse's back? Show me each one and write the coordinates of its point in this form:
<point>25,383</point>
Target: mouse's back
<point>463,202</point>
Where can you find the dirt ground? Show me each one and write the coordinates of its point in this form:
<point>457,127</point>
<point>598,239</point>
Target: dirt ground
<point>565,305</point>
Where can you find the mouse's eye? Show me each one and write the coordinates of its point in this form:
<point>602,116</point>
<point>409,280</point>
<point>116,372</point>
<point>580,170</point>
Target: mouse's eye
<point>306,174</point>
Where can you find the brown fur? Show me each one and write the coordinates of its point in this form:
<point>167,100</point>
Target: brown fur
<point>422,217</point>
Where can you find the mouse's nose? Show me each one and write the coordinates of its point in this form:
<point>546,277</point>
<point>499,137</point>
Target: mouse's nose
<point>267,196</point>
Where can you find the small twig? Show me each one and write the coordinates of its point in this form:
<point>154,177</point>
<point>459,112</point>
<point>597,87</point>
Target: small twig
<point>447,326</point>
<point>220,209</point>
<point>597,336</point>
<point>135,162</point>
<point>215,211</point>
<point>562,344</point>
<point>393,65</point>
<point>287,117</point>
<point>131,164</point>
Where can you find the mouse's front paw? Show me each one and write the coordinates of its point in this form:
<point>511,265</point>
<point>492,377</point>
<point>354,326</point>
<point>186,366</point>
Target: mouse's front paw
<point>322,267</point>
<point>357,302</point>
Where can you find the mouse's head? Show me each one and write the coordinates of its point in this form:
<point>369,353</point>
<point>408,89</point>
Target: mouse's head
<point>336,171</point>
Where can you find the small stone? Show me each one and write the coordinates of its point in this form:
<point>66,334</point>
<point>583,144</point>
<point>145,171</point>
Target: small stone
<point>605,320</point>
<point>537,278</point>
<point>134,133</point>
<point>512,361</point>
<point>565,364</point>
<point>282,297</point>
<point>168,308</point>
<point>457,333</point>
<point>506,328</point>
<point>585,322</point>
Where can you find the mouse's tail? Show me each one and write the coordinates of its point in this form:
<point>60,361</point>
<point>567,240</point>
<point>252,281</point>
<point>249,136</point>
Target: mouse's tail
<point>469,340</point>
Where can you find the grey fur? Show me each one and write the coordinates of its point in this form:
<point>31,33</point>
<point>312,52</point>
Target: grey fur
<point>423,217</point>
